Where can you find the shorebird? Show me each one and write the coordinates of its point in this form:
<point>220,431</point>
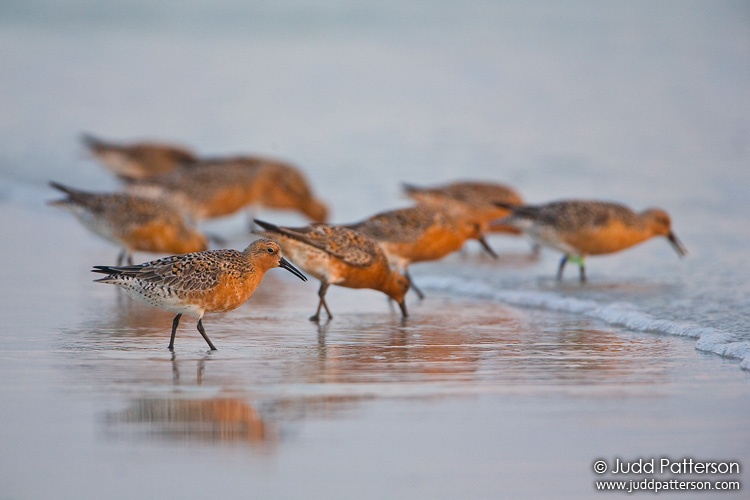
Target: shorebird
<point>204,191</point>
<point>132,222</point>
<point>200,282</point>
<point>419,234</point>
<point>336,255</point>
<point>581,228</point>
<point>477,197</point>
<point>223,186</point>
<point>139,160</point>
<point>281,186</point>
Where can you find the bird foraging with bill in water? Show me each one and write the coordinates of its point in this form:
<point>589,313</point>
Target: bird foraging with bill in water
<point>580,228</point>
<point>337,255</point>
<point>421,233</point>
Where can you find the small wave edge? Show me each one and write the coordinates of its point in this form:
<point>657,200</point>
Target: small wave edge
<point>620,314</point>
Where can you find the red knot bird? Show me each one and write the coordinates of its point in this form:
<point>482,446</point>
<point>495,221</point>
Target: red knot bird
<point>419,234</point>
<point>336,255</point>
<point>281,186</point>
<point>132,222</point>
<point>477,197</point>
<point>201,282</point>
<point>580,228</point>
<point>139,160</point>
<point>223,186</point>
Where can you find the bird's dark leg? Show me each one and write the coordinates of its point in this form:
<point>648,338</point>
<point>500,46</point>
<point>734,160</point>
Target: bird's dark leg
<point>582,271</point>
<point>560,269</point>
<point>251,219</point>
<point>175,322</point>
<point>322,304</point>
<point>404,312</point>
<point>536,249</point>
<point>203,333</point>
<point>130,259</point>
<point>121,256</point>
<point>413,285</point>
<point>487,247</point>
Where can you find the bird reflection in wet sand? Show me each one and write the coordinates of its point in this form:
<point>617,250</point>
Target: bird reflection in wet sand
<point>336,255</point>
<point>426,352</point>
<point>505,345</point>
<point>580,228</point>
<point>197,283</point>
<point>220,419</point>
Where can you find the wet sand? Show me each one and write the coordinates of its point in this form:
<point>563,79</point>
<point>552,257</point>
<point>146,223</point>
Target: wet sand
<point>466,399</point>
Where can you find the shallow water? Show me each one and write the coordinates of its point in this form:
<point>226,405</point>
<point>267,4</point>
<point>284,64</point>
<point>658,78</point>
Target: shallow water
<point>502,382</point>
<point>468,397</point>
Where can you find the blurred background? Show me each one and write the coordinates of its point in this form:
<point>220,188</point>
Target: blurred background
<point>639,101</point>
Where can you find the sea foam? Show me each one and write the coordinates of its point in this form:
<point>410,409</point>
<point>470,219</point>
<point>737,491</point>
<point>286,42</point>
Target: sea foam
<point>622,314</point>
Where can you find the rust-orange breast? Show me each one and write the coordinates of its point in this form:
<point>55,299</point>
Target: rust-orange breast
<point>613,237</point>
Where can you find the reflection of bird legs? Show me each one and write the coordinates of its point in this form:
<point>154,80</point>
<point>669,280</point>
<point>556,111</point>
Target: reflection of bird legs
<point>322,348</point>
<point>201,369</point>
<point>322,332</point>
<point>125,254</point>
<point>176,370</point>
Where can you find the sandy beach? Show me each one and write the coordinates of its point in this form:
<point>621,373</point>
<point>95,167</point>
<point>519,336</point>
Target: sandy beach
<point>503,382</point>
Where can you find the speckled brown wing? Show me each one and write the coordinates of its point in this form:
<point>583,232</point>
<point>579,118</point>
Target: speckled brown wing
<point>159,157</point>
<point>481,193</point>
<point>188,272</point>
<point>398,226</point>
<point>475,194</point>
<point>351,247</point>
<point>121,208</point>
<point>206,177</point>
<point>577,214</point>
<point>129,212</point>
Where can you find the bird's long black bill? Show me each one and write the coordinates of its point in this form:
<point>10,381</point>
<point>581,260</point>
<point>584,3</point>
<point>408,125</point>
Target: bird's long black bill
<point>266,225</point>
<point>286,265</point>
<point>677,244</point>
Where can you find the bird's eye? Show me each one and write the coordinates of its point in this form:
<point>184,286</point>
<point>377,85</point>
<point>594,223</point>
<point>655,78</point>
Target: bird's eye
<point>270,250</point>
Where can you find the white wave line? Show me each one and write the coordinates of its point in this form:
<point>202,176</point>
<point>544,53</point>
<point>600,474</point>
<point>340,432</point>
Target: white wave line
<point>620,314</point>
